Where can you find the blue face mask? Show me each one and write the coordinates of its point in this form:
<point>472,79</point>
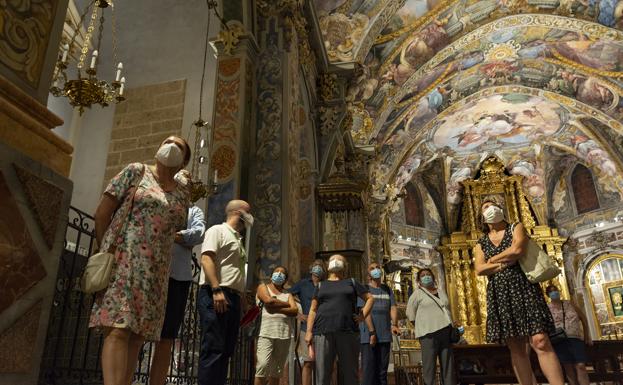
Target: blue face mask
<point>375,273</point>
<point>317,271</point>
<point>278,278</point>
<point>427,280</point>
<point>554,295</point>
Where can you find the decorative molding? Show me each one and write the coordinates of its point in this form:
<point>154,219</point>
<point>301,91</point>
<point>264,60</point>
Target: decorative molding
<point>44,199</point>
<point>25,35</point>
<point>269,152</point>
<point>21,264</point>
<point>230,36</point>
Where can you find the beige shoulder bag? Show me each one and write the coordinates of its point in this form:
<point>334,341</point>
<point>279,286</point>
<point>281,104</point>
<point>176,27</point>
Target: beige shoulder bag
<point>96,275</point>
<point>537,264</point>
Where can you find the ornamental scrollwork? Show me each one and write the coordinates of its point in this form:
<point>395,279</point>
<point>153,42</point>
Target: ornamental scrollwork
<point>25,35</point>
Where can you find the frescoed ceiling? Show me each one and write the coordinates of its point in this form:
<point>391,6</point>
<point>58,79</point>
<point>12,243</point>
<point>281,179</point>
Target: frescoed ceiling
<point>451,82</point>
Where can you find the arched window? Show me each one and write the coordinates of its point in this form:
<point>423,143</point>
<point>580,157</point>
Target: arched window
<point>414,213</point>
<point>584,191</point>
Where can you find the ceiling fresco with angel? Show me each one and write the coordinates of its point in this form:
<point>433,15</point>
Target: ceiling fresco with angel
<point>443,84</point>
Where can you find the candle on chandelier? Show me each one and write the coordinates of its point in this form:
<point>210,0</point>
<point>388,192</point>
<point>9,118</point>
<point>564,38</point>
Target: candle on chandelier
<point>122,86</point>
<point>94,58</point>
<point>119,68</point>
<point>65,52</point>
<point>215,176</point>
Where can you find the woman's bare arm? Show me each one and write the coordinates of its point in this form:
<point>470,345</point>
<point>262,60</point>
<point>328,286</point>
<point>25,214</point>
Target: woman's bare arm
<point>103,216</point>
<point>483,267</point>
<point>516,250</point>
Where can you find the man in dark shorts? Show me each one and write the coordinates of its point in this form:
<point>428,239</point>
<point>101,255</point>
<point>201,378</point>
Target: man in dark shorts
<point>180,279</point>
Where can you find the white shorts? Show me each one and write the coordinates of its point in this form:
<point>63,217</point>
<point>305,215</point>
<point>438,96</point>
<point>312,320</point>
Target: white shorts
<point>272,354</point>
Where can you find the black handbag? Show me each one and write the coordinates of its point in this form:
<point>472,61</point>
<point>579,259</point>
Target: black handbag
<point>559,334</point>
<point>455,333</point>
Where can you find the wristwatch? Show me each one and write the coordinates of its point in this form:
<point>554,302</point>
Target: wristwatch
<point>217,289</point>
<point>372,332</point>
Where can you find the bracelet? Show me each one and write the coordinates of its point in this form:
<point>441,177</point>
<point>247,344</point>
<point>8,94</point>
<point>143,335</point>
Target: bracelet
<point>372,332</point>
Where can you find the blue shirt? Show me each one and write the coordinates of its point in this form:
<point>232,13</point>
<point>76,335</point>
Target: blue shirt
<point>181,261</point>
<point>304,289</point>
<point>381,315</point>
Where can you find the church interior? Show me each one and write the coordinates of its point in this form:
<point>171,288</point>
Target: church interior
<point>370,128</point>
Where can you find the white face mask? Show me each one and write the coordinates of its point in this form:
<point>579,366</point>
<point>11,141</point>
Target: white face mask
<point>493,214</point>
<point>336,265</point>
<point>170,155</point>
<point>247,219</point>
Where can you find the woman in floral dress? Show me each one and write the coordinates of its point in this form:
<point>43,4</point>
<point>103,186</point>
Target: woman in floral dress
<point>517,314</point>
<point>131,309</point>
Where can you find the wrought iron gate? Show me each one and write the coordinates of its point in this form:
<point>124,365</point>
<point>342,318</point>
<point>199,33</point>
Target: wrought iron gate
<point>72,353</point>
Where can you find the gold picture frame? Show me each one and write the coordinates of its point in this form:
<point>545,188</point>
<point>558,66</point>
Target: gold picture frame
<point>613,293</point>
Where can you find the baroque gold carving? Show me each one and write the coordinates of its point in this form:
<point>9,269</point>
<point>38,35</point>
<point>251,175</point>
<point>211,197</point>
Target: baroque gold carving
<point>24,36</point>
<point>328,86</point>
<point>230,37</point>
<point>469,304</point>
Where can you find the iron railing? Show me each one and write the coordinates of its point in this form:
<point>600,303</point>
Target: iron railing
<point>72,354</point>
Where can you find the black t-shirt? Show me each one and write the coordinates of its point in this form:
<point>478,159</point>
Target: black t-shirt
<point>337,304</point>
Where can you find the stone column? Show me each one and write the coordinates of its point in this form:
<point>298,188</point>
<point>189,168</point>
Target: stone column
<point>35,191</point>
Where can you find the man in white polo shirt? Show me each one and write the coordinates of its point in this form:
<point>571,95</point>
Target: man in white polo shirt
<point>222,281</point>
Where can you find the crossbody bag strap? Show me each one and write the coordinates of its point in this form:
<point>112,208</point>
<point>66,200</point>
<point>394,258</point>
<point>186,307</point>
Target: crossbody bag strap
<point>123,220</point>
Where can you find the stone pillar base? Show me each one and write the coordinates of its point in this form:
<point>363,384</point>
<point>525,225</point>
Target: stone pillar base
<point>35,191</point>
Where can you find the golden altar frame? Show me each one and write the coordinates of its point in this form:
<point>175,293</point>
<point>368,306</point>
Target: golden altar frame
<point>467,290</point>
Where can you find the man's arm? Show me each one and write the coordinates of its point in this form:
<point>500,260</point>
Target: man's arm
<point>194,234</point>
<point>209,269</point>
<point>394,317</point>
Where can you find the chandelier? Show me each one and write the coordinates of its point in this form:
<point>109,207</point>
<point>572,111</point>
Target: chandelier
<point>86,89</point>
<point>203,131</point>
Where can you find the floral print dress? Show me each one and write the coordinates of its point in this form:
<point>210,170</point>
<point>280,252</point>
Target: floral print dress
<point>136,296</point>
<point>515,307</point>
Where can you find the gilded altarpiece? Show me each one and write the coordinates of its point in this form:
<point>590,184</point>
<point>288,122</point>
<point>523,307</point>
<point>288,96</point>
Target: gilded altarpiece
<point>467,290</point>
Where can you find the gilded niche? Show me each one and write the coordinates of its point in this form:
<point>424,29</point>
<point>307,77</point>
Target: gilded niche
<point>24,36</point>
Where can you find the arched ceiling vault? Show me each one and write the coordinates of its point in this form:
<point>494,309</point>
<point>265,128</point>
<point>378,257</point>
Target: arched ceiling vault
<point>450,82</point>
<point>498,118</point>
<point>573,43</point>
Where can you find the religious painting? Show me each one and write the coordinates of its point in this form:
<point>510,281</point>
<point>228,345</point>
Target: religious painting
<point>601,55</point>
<point>614,300</point>
<point>414,213</point>
<point>499,121</point>
<point>408,14</point>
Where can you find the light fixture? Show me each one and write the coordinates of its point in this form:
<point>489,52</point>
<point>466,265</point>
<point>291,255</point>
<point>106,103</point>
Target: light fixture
<point>204,137</point>
<point>86,89</point>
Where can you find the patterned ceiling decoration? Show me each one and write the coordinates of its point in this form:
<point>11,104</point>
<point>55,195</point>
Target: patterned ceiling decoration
<point>579,45</point>
<point>346,23</point>
<point>444,84</point>
<point>492,119</point>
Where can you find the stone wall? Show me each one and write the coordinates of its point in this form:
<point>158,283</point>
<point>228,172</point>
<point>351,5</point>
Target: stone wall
<point>148,116</point>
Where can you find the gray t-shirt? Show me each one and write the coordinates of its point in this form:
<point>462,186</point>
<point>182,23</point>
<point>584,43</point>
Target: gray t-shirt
<point>381,315</point>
